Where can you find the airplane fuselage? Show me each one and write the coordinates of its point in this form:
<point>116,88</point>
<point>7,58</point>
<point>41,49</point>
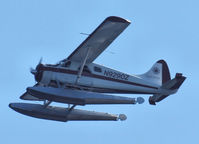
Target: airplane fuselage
<point>95,78</point>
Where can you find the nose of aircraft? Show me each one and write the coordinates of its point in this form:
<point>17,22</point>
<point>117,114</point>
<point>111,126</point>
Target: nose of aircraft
<point>39,73</point>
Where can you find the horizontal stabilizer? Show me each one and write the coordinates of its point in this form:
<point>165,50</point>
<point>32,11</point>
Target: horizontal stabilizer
<point>168,88</point>
<point>175,83</point>
<point>79,97</point>
<point>63,114</point>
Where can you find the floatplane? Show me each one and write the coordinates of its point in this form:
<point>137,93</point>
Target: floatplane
<point>76,80</point>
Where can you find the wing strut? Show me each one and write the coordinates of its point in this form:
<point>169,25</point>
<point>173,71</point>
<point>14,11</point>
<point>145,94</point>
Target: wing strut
<point>46,103</point>
<point>82,65</point>
<point>71,108</point>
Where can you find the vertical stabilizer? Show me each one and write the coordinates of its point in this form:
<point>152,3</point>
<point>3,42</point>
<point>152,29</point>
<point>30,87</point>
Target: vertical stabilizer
<point>158,74</point>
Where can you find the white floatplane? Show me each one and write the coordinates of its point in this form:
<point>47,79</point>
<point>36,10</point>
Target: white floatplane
<point>76,80</point>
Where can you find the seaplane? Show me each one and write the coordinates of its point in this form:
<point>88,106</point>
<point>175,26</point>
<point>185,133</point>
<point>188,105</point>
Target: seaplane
<point>78,81</point>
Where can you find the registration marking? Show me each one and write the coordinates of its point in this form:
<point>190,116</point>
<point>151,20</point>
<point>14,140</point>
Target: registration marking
<point>116,75</point>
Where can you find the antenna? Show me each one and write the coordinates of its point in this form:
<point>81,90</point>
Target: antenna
<point>85,34</point>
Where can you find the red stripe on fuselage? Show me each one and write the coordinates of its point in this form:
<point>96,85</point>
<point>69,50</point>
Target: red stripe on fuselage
<point>60,70</point>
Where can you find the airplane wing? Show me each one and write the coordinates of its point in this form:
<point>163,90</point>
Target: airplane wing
<point>27,96</point>
<point>79,97</point>
<point>100,39</point>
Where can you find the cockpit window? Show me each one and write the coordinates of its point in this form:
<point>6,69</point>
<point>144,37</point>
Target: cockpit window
<point>66,64</point>
<point>97,69</point>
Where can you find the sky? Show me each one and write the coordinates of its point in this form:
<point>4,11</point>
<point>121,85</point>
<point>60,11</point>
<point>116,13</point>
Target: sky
<point>51,29</point>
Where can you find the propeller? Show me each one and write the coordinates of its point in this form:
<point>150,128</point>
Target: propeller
<point>40,61</point>
<point>37,72</point>
<point>33,71</point>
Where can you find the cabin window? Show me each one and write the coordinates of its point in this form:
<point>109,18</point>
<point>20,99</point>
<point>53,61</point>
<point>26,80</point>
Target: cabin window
<point>97,69</point>
<point>85,69</point>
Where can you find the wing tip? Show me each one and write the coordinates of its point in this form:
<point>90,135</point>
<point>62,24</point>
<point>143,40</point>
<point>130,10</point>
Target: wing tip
<point>117,19</point>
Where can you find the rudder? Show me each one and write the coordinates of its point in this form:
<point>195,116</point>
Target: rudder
<point>165,71</point>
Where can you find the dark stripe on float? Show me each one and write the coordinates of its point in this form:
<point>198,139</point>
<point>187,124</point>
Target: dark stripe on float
<point>93,76</point>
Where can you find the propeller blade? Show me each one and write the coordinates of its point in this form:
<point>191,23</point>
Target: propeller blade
<point>40,61</point>
<point>33,71</point>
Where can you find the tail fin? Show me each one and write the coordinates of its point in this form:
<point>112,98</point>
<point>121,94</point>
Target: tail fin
<point>158,74</point>
<point>168,88</point>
